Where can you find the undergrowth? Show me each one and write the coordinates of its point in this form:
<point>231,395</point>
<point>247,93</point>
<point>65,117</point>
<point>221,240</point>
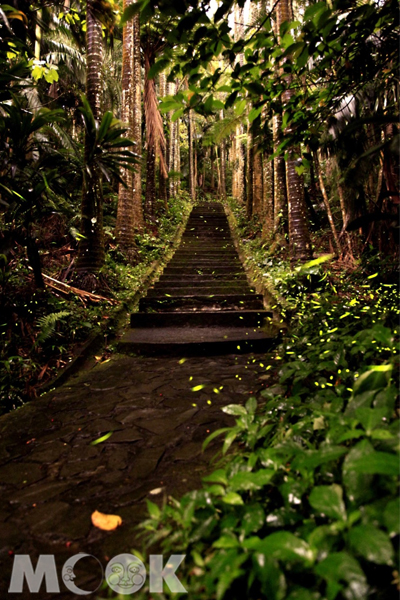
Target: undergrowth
<point>42,329</point>
<point>305,504</point>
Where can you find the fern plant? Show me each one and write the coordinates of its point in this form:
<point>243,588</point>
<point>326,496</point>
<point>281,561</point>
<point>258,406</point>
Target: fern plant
<point>47,325</point>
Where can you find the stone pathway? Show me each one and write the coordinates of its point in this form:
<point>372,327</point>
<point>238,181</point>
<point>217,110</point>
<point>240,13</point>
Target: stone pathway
<point>51,476</point>
<point>202,303</point>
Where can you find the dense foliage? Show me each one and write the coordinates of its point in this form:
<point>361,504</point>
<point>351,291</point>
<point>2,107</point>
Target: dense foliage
<point>304,502</point>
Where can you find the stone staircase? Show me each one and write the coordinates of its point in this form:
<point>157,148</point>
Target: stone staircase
<point>202,303</point>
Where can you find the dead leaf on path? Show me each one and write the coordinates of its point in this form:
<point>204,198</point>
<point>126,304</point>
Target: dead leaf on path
<point>105,522</point>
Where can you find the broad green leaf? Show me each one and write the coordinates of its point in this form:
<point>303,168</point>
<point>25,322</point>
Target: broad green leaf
<point>370,417</point>
<point>358,485</point>
<point>253,519</point>
<point>328,499</point>
<point>281,545</point>
<point>232,498</point>
<point>240,107</point>
<point>251,405</point>
<point>391,517</point>
<point>375,463</point>
<point>310,459</point>
<point>153,510</point>
<point>218,476</point>
<point>372,543</point>
<point>341,566</point>
<point>375,378</point>
<point>226,541</point>
<point>158,67</point>
<point>250,481</point>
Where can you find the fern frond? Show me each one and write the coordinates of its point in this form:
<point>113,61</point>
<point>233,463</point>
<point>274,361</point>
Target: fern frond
<point>48,323</point>
<point>222,129</point>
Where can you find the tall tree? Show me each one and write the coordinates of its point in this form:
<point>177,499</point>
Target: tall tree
<point>129,212</point>
<point>91,247</point>
<point>299,237</point>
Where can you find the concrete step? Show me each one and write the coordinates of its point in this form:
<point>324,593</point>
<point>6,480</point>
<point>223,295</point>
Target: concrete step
<point>229,283</point>
<point>189,290</point>
<point>206,278</point>
<point>198,263</point>
<point>217,270</point>
<point>199,301</point>
<point>221,318</point>
<point>196,341</point>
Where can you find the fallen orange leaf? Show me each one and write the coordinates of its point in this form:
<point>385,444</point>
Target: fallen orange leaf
<point>105,522</point>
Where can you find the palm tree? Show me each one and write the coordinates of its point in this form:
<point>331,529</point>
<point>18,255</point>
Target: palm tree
<point>299,237</point>
<point>91,248</point>
<point>129,212</point>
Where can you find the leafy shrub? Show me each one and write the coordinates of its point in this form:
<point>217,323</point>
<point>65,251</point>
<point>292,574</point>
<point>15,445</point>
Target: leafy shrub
<point>306,506</point>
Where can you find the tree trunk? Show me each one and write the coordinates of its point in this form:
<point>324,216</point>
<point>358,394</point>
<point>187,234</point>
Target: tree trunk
<point>280,194</point>
<point>192,183</point>
<point>162,179</point>
<point>268,198</point>
<point>129,212</point>
<point>327,205</point>
<point>155,138</point>
<point>299,237</point>
<point>249,173</point>
<point>91,247</point>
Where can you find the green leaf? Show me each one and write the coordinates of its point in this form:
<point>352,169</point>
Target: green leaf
<point>374,379</point>
<point>370,417</point>
<point>358,485</point>
<point>251,481</point>
<point>310,459</point>
<point>153,510</point>
<point>375,463</point>
<point>234,409</point>
<point>253,519</point>
<point>328,499</point>
<point>251,405</point>
<point>226,541</point>
<point>213,435</point>
<point>340,566</point>
<point>254,113</point>
<point>177,114</point>
<point>240,107</point>
<point>281,545</point>
<point>232,498</point>
<point>158,67</point>
<point>218,476</point>
<point>229,439</point>
<point>372,543</point>
<point>391,517</point>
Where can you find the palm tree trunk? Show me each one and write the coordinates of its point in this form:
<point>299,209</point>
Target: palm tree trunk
<point>91,247</point>
<point>268,197</point>
<point>192,184</point>
<point>299,237</point>
<point>129,211</point>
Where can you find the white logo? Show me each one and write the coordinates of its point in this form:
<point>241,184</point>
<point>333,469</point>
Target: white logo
<point>125,574</point>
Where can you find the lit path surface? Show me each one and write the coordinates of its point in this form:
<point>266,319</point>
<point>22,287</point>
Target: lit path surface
<point>52,478</point>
